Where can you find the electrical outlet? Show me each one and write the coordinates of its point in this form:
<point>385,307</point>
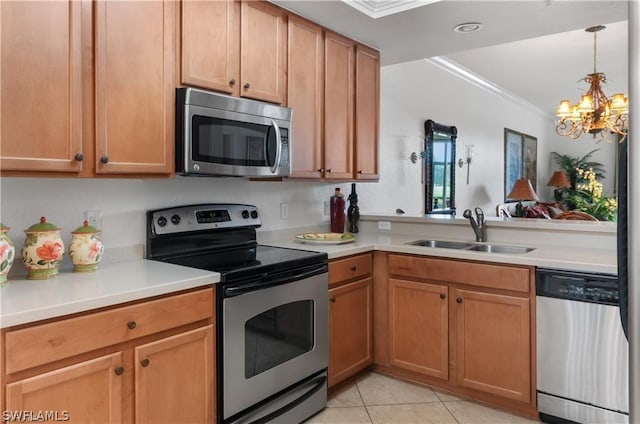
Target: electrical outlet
<point>284,211</point>
<point>94,217</point>
<point>384,225</point>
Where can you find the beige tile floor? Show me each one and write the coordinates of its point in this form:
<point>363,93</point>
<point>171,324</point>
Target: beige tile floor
<point>373,398</point>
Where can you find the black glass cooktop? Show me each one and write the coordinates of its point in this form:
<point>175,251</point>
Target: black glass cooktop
<point>238,263</point>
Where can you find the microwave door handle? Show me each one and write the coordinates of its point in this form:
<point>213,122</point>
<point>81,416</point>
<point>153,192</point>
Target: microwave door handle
<point>276,128</point>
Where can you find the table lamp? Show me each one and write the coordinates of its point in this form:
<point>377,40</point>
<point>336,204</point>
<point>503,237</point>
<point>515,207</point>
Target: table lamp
<point>522,190</point>
<point>558,180</point>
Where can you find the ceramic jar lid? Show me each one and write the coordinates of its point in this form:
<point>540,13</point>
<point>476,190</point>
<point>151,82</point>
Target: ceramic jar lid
<point>85,229</point>
<point>42,226</point>
<point>4,228</point>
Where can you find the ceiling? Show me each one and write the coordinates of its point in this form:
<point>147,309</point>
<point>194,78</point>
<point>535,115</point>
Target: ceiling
<point>535,50</point>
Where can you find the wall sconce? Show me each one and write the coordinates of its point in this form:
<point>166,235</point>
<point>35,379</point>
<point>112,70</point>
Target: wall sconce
<point>468,149</point>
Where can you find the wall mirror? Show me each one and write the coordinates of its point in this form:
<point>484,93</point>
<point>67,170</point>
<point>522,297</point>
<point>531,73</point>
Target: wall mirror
<point>439,168</point>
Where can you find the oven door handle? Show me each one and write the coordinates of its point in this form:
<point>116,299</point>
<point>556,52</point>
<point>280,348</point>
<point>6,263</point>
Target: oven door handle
<point>259,285</point>
<point>317,383</point>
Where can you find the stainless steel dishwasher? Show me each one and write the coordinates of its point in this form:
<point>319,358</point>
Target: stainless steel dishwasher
<point>582,352</point>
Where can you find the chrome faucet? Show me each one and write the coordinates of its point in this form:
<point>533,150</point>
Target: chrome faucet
<point>477,223</point>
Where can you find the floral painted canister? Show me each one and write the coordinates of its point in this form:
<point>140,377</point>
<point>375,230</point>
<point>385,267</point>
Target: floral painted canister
<point>7,254</point>
<point>86,248</point>
<point>43,250</point>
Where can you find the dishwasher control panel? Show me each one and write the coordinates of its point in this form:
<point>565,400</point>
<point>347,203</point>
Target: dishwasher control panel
<point>585,287</point>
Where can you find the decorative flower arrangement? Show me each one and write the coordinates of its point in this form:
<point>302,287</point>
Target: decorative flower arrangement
<point>588,197</point>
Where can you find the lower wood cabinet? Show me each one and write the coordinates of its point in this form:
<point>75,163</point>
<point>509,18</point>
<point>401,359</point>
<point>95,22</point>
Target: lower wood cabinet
<point>493,343</point>
<point>175,378</point>
<point>88,392</point>
<point>419,327</point>
<point>164,373</point>
<point>350,317</point>
<point>467,327</point>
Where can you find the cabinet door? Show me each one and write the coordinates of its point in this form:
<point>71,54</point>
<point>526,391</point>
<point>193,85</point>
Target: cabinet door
<point>41,82</point>
<point>305,83</point>
<point>135,85</point>
<point>350,331</point>
<point>367,113</point>
<point>493,343</point>
<point>338,101</point>
<point>88,392</point>
<point>262,51</point>
<point>211,45</point>
<point>175,379</point>
<point>418,327</point>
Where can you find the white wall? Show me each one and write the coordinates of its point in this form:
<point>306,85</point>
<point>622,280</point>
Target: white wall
<point>125,201</point>
<point>416,91</point>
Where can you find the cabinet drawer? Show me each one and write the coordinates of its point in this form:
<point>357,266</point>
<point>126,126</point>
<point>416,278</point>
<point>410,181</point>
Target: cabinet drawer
<point>346,269</point>
<point>470,273</point>
<point>41,344</point>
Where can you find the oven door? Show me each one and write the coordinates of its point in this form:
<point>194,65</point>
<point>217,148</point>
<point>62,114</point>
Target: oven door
<point>273,338</point>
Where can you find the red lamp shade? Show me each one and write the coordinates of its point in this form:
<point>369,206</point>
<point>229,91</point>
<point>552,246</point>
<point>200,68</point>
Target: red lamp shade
<point>522,190</point>
<point>559,179</point>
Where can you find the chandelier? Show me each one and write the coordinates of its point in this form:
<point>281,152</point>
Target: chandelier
<point>594,113</point>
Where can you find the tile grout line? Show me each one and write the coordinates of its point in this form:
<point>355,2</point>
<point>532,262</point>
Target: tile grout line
<point>450,411</point>
<point>366,408</point>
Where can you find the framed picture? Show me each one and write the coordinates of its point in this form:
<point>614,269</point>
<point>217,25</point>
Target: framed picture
<point>520,159</point>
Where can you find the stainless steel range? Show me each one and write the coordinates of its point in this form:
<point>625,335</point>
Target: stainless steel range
<point>271,310</point>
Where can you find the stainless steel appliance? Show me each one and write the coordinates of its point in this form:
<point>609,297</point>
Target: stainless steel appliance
<point>582,352</point>
<point>271,310</point>
<point>223,135</point>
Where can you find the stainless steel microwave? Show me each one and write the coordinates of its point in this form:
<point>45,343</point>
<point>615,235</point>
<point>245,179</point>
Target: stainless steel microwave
<point>223,135</point>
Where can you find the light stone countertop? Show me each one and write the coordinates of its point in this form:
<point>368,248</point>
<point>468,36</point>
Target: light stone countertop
<point>24,301</point>
<point>559,257</point>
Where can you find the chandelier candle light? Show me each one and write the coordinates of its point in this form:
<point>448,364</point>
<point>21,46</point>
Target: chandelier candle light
<point>594,113</point>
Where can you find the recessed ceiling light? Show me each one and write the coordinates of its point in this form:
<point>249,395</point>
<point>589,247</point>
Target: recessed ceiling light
<point>468,27</point>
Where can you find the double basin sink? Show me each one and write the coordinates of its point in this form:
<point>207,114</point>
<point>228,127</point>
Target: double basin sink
<point>476,247</point>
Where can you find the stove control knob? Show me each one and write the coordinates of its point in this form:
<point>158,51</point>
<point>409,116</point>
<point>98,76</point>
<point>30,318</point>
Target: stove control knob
<point>175,219</point>
<point>162,221</point>
<point>254,214</point>
<point>245,214</point>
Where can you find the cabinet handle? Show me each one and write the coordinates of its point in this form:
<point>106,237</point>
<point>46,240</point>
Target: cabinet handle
<point>118,370</point>
<point>354,268</point>
<point>144,362</point>
<point>131,325</point>
<point>332,299</point>
<point>443,296</point>
<point>320,169</point>
<point>246,86</point>
<point>360,171</point>
<point>104,159</point>
<point>329,170</point>
<point>79,157</point>
<point>232,82</point>
<point>459,300</point>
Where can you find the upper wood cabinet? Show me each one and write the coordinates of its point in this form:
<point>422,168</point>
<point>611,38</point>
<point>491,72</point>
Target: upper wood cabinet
<point>367,114</point>
<point>263,36</point>
<point>87,82</point>
<point>305,94</point>
<point>339,106</point>
<point>135,84</point>
<point>41,85</point>
<point>211,45</point>
<point>238,48</point>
